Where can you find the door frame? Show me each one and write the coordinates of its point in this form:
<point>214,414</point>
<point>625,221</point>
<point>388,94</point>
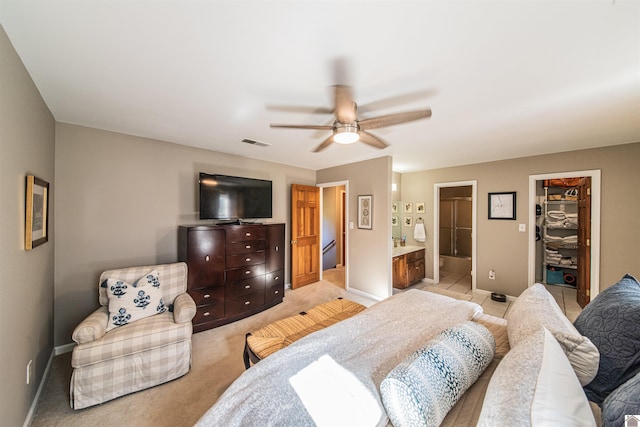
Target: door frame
<point>595,223</point>
<point>436,226</point>
<point>346,231</point>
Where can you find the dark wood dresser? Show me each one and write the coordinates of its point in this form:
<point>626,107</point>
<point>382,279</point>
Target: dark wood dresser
<point>235,271</point>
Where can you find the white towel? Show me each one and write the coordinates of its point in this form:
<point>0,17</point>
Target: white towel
<point>419,232</point>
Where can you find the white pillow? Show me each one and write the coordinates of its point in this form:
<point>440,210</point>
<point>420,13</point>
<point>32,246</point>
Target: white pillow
<point>131,302</point>
<point>536,308</point>
<point>534,385</point>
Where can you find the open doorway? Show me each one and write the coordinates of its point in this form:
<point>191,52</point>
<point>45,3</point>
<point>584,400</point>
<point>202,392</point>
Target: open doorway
<point>564,248</point>
<point>455,208</point>
<point>333,232</point>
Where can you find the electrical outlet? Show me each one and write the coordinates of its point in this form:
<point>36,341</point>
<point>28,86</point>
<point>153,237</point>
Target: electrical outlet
<point>492,275</point>
<point>29,371</point>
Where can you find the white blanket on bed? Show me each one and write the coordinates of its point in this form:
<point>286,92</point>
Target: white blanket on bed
<point>368,345</point>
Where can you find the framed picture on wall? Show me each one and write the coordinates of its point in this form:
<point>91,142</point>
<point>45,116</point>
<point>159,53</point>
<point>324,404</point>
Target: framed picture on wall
<point>502,205</point>
<point>394,221</point>
<point>37,215</point>
<point>420,207</point>
<point>408,207</point>
<point>408,221</point>
<point>365,212</point>
<point>394,207</point>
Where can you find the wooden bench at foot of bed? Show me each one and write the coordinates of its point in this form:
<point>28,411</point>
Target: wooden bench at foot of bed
<point>279,334</point>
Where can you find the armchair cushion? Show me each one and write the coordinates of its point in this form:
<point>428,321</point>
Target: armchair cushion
<point>184,308</point>
<point>93,327</point>
<point>143,335</point>
<point>131,302</point>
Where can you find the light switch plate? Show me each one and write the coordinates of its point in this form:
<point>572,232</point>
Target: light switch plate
<point>522,227</point>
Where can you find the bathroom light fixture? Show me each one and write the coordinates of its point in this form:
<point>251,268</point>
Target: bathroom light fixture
<point>345,133</point>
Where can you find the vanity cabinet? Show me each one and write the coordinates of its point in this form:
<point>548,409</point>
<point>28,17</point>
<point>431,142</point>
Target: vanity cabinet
<point>234,271</point>
<point>408,268</point>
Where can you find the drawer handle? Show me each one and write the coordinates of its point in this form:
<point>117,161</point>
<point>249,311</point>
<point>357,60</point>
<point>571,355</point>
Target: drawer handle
<point>276,278</point>
<point>247,286</point>
<point>247,234</point>
<point>207,296</point>
<point>247,247</point>
<point>247,259</point>
<point>247,302</point>
<point>206,314</point>
<point>276,292</point>
<point>277,248</point>
<point>206,258</point>
<point>247,272</point>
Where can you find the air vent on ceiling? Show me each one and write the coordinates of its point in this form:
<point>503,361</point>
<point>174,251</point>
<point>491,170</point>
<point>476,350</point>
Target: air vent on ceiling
<point>254,142</point>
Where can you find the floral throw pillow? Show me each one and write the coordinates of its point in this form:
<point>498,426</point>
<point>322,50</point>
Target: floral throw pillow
<point>131,302</point>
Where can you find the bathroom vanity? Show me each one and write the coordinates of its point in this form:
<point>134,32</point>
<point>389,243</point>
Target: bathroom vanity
<point>408,266</point>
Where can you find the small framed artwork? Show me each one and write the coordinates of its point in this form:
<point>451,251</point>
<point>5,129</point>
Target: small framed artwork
<point>420,207</point>
<point>365,212</point>
<point>37,215</point>
<point>394,207</point>
<point>502,205</point>
<point>394,221</point>
<point>408,207</point>
<point>408,221</point>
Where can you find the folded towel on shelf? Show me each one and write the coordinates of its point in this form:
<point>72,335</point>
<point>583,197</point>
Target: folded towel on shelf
<point>419,232</point>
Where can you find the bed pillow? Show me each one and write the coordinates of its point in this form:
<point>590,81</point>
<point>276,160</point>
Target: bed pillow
<point>536,308</point>
<point>131,302</point>
<point>424,387</point>
<point>535,385</point>
<point>612,322</point>
<point>625,400</point>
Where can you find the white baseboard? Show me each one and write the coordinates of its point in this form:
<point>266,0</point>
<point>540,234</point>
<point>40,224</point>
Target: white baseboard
<point>62,349</point>
<point>36,398</point>
<point>364,294</point>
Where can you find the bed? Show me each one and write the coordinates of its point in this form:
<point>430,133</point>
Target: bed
<point>423,359</point>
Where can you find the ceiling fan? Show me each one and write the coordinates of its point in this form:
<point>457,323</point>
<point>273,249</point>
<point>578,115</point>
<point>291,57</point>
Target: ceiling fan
<point>347,128</point>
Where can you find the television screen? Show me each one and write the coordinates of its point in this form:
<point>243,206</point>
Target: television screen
<point>233,197</point>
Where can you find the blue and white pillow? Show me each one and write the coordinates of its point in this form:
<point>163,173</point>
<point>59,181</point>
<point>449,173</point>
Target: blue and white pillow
<point>131,302</point>
<point>423,388</point>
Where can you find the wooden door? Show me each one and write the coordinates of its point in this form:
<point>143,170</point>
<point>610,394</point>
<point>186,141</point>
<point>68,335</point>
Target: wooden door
<point>583,279</point>
<point>305,235</point>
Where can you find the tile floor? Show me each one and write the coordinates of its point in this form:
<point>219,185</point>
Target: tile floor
<point>565,297</point>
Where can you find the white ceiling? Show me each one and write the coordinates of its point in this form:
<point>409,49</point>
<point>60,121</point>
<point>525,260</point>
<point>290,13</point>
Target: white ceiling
<point>504,79</point>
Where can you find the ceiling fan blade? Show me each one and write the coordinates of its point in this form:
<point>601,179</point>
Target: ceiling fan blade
<point>345,107</point>
<point>394,119</point>
<point>300,109</point>
<point>327,142</point>
<point>395,101</point>
<point>374,141</point>
<point>320,127</point>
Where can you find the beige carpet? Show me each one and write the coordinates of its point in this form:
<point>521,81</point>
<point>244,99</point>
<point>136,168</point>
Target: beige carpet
<point>216,363</point>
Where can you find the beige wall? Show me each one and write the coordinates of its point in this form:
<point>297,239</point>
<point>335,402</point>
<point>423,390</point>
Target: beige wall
<point>26,307</point>
<point>368,251</point>
<point>120,200</point>
<point>499,244</point>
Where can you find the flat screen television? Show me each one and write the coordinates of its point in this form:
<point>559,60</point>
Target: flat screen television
<point>234,198</point>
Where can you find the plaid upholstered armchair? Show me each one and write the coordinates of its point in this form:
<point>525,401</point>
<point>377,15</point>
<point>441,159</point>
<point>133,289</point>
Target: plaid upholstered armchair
<point>138,338</point>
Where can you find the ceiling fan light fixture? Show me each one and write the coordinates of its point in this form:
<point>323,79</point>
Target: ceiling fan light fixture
<point>346,134</point>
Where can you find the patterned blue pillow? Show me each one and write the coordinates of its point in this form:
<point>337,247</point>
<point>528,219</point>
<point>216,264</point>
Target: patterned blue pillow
<point>422,389</point>
<point>611,321</point>
<point>625,400</point>
<point>131,302</point>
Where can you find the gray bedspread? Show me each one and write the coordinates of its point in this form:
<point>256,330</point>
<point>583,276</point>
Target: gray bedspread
<point>369,345</point>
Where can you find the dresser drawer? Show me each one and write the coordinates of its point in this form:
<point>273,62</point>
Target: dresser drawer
<point>274,286</point>
<point>242,234</point>
<point>205,296</point>
<point>246,247</point>
<point>246,303</point>
<point>249,258</point>
<point>206,313</point>
<point>236,274</point>
<point>244,287</point>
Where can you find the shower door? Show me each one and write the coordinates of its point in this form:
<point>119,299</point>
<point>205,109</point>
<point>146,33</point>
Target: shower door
<point>455,227</point>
